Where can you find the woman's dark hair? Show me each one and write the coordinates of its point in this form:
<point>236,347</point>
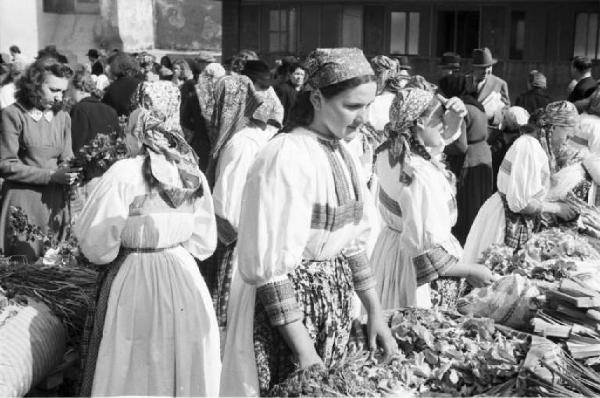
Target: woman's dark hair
<point>166,61</point>
<point>29,86</point>
<point>14,49</point>
<point>122,64</point>
<point>302,113</point>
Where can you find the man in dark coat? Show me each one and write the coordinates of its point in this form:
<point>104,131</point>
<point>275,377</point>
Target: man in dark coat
<point>486,85</point>
<point>536,96</point>
<point>127,74</point>
<point>581,71</point>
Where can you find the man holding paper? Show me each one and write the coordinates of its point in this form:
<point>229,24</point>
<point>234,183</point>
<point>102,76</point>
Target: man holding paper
<point>492,91</point>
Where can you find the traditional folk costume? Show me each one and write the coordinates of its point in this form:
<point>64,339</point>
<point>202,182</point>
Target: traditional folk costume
<point>152,330</point>
<point>301,245</point>
<point>523,182</point>
<point>417,203</point>
<point>237,153</point>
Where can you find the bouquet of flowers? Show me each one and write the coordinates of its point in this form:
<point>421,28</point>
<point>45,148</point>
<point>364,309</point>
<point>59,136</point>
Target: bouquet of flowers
<point>101,153</point>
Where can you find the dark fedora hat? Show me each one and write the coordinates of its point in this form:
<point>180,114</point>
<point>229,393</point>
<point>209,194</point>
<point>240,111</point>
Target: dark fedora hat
<point>482,57</point>
<point>92,52</point>
<point>403,63</point>
<point>450,60</point>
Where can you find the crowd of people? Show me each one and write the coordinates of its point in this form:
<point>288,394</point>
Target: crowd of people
<point>261,210</point>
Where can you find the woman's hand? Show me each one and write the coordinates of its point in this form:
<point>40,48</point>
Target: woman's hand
<point>65,175</point>
<point>379,332</point>
<point>560,209</point>
<point>307,360</point>
<point>480,276</point>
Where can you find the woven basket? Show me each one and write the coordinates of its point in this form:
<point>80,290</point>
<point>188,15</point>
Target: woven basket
<point>32,344</point>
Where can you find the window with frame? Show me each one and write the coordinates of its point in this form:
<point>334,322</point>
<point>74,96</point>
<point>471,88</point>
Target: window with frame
<point>71,6</point>
<point>352,26</point>
<point>517,34</point>
<point>458,31</point>
<point>404,33</point>
<point>282,30</point>
<point>587,35</point>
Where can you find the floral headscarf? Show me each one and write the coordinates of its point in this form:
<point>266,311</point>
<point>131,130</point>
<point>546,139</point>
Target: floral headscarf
<point>205,89</point>
<point>327,66</point>
<point>560,114</point>
<point>408,105</point>
<point>163,98</point>
<point>270,110</point>
<point>172,161</point>
<point>385,68</point>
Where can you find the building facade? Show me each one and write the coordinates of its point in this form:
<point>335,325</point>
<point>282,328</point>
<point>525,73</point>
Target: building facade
<point>522,34</point>
<point>75,26</point>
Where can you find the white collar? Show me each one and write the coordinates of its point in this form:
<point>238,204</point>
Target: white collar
<point>37,115</point>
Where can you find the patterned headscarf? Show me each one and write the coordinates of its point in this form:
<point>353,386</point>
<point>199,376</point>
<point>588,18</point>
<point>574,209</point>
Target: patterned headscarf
<point>270,110</point>
<point>172,161</point>
<point>236,101</point>
<point>163,98</point>
<point>594,104</point>
<point>560,114</point>
<point>327,66</point>
<point>205,89</point>
<point>385,68</point>
<point>408,105</point>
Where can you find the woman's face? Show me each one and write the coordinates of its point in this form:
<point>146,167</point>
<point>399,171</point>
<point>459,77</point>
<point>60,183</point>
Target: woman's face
<point>343,114</point>
<point>297,78</point>
<point>431,128</point>
<point>53,89</point>
<point>177,71</point>
<point>559,137</point>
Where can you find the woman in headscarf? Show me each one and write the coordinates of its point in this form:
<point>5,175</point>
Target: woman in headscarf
<point>475,172</point>
<point>152,330</point>
<point>236,155</point>
<point>509,130</point>
<point>417,202</point>
<point>301,240</point>
<point>513,213</point>
<point>200,114</point>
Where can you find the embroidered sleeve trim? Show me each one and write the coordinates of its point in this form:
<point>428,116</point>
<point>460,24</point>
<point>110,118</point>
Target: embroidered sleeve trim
<point>432,264</point>
<point>279,300</point>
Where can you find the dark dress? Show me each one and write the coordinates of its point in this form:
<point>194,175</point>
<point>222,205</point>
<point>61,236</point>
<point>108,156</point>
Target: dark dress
<point>287,95</point>
<point>533,99</point>
<point>583,89</point>
<point>30,152</point>
<point>476,179</point>
<point>119,95</point>
<point>191,120</point>
<point>90,117</point>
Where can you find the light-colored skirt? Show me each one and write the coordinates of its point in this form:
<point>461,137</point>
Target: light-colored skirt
<point>489,227</point>
<point>395,274</point>
<point>160,334</point>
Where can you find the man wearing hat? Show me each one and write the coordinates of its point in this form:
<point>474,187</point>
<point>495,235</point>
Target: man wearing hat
<point>449,64</point>
<point>95,65</point>
<point>491,91</point>
<point>536,95</point>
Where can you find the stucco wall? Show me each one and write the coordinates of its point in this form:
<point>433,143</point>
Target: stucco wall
<point>136,24</point>
<point>18,25</point>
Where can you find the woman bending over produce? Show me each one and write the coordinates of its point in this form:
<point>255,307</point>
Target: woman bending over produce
<point>417,202</point>
<point>302,237</point>
<point>513,213</point>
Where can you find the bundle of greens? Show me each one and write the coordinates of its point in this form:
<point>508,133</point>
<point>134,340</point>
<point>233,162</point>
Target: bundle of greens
<point>101,153</point>
<point>440,353</point>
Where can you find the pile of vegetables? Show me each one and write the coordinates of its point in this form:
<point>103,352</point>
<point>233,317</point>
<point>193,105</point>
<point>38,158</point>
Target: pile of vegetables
<point>548,255</point>
<point>439,353</point>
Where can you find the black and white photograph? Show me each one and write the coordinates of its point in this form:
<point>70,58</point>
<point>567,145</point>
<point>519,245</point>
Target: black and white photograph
<point>299,198</point>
